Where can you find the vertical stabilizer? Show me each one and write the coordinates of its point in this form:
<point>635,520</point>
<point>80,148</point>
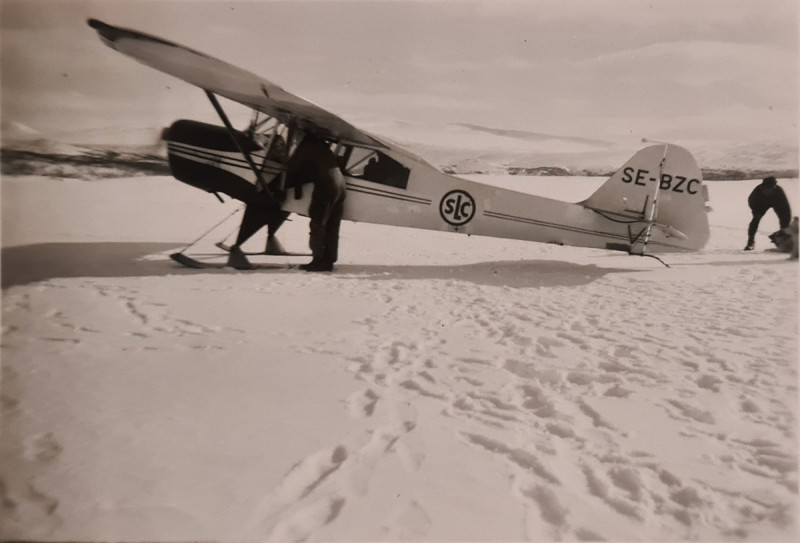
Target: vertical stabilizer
<point>660,187</point>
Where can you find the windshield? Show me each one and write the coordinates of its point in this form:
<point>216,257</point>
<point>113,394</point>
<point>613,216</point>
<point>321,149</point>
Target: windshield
<point>374,166</point>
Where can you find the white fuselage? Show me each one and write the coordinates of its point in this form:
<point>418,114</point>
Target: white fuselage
<point>437,201</point>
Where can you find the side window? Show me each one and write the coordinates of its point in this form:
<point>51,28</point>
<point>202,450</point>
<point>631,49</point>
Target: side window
<point>377,167</point>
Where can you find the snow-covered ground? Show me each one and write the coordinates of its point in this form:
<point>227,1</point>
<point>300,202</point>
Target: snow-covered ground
<point>435,387</point>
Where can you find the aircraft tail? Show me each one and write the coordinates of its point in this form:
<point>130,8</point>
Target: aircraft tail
<point>660,193</point>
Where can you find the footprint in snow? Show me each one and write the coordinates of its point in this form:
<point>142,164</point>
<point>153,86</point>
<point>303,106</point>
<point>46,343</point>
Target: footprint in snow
<point>384,441</point>
<point>692,412</point>
<point>362,404</point>
<point>550,508</point>
<point>520,458</point>
<point>301,525</point>
<point>311,472</point>
<point>295,488</point>
<point>28,511</point>
<point>303,478</point>
<point>408,521</point>
<point>41,448</point>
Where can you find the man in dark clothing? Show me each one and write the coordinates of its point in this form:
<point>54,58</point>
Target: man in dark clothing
<point>315,162</point>
<point>765,196</point>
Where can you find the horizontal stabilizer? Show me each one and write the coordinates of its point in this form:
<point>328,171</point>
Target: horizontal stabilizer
<point>670,231</point>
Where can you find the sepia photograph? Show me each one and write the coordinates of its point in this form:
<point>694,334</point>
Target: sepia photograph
<point>399,270</point>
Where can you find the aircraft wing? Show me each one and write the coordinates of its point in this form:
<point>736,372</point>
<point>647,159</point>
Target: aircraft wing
<point>226,80</point>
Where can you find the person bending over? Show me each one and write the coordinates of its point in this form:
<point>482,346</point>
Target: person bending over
<point>768,195</point>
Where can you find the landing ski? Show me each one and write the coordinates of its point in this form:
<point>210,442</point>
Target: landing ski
<point>189,262</point>
<point>227,248</point>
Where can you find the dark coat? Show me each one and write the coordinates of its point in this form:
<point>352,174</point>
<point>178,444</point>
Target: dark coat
<point>760,201</point>
<point>312,161</point>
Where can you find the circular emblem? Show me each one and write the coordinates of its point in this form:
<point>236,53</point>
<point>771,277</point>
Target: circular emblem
<point>457,207</point>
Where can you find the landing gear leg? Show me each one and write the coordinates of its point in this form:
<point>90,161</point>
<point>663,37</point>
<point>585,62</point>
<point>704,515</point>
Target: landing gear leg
<point>274,246</point>
<point>257,215</point>
<point>254,218</point>
<point>238,260</point>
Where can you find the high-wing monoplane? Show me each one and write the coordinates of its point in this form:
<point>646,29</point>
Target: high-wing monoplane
<point>655,203</point>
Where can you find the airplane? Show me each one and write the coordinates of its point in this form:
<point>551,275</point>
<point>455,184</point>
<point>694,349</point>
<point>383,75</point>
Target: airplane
<point>655,203</point>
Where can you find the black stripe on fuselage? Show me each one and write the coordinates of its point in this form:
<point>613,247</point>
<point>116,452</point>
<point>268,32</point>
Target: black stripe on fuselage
<point>556,226</point>
<point>215,158</point>
<point>372,191</point>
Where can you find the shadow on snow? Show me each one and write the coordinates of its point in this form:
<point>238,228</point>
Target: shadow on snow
<point>39,262</point>
<point>27,264</point>
<point>512,273</point>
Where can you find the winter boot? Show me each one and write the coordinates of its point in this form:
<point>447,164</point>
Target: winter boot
<point>274,246</point>
<point>238,260</point>
<point>317,266</point>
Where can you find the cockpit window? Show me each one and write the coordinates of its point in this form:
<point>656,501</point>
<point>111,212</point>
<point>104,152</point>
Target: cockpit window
<point>374,166</point>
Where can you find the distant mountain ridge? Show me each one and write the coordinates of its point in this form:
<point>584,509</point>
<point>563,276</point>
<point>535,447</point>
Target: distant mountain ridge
<point>25,151</point>
<point>454,148</point>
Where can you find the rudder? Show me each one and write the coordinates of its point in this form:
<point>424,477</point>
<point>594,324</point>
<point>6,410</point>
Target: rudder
<point>661,186</point>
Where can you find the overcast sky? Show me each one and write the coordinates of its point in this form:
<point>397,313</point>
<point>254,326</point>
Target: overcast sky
<point>688,70</point>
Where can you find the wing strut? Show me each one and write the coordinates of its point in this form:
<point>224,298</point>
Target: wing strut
<point>245,153</point>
